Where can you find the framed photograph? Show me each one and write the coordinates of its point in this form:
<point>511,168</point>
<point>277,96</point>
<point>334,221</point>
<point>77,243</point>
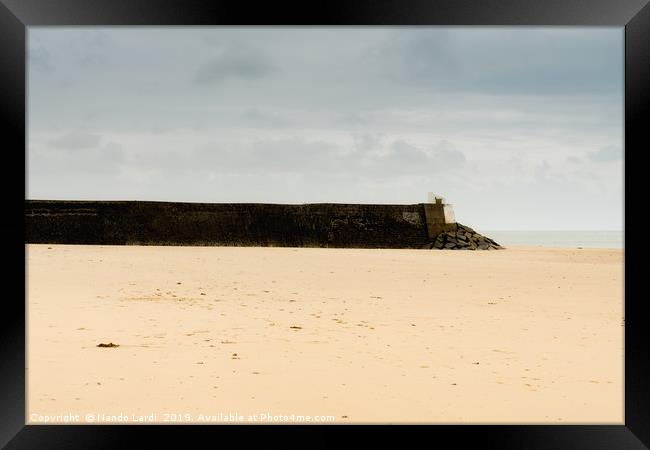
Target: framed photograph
<point>316,216</point>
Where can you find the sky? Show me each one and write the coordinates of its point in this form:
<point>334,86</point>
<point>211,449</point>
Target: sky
<point>520,128</point>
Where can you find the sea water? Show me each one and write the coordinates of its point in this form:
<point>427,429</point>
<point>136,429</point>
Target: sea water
<point>555,238</point>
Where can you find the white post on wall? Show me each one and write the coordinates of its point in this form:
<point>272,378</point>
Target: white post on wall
<point>433,198</point>
<point>439,215</point>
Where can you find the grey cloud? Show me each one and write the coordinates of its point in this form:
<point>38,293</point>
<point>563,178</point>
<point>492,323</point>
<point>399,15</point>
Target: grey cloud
<point>447,156</point>
<point>405,153</point>
<point>502,61</point>
<point>235,62</point>
<point>542,170</point>
<point>516,163</point>
<point>258,117</point>
<point>420,56</point>
<point>106,159</point>
<point>279,155</point>
<point>90,49</point>
<point>295,154</point>
<point>606,154</point>
<point>353,118</point>
<point>93,114</point>
<point>169,160</point>
<point>403,156</point>
<point>40,60</point>
<point>112,153</point>
<point>366,158</point>
<point>89,59</point>
<point>76,140</point>
<point>365,142</point>
<point>543,62</point>
<point>91,39</point>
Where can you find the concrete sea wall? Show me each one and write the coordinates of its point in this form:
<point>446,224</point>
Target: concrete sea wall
<point>236,224</point>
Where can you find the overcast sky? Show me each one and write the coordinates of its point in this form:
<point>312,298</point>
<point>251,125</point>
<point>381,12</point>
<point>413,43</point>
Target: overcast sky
<point>518,127</point>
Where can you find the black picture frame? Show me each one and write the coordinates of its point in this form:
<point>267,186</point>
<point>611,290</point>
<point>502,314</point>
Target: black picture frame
<point>16,15</point>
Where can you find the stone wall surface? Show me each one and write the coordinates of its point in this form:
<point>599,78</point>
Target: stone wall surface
<point>234,224</point>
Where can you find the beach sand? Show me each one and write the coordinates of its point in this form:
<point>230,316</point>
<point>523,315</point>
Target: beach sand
<point>212,334</point>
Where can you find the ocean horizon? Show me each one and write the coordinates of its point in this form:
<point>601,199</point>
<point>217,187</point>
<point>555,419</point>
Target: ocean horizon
<point>558,238</point>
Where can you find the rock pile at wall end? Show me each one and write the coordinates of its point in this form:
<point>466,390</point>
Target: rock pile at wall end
<point>463,238</point>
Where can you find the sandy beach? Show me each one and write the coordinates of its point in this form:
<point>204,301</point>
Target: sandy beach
<point>216,334</point>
